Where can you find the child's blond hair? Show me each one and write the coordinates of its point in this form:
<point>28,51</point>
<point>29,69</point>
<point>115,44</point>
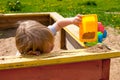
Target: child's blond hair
<point>32,37</point>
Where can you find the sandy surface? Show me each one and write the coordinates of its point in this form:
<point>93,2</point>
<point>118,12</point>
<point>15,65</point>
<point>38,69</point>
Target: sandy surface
<point>7,47</point>
<point>7,42</point>
<point>113,41</point>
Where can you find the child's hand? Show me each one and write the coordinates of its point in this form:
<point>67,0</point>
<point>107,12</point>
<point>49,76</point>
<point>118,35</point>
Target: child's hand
<point>77,19</point>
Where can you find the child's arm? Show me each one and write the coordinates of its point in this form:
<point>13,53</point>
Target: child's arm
<point>66,21</point>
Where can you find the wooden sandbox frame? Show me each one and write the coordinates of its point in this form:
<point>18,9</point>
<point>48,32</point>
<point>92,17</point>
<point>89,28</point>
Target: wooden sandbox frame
<point>77,65</point>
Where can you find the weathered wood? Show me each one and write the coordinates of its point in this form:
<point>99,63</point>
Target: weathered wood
<point>10,20</point>
<point>73,42</point>
<point>73,34</point>
<point>63,39</point>
<point>55,16</point>
<point>54,58</point>
<point>105,69</point>
<point>89,70</point>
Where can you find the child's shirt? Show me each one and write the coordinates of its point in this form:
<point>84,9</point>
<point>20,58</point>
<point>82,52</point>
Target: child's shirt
<point>52,28</point>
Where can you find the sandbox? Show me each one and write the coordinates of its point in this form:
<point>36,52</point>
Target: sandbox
<point>69,59</point>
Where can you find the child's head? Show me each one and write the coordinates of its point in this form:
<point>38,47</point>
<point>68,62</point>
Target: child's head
<point>33,38</point>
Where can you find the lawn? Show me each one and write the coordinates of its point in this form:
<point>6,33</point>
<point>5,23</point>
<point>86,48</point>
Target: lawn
<point>107,10</point>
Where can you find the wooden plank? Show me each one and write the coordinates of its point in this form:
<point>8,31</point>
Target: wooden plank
<point>63,39</point>
<point>56,16</point>
<point>105,69</point>
<point>54,58</point>
<point>25,14</point>
<point>73,42</point>
<point>73,31</point>
<point>10,20</point>
<point>70,71</point>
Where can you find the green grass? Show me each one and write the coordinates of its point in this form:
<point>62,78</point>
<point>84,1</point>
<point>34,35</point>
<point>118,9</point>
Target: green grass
<point>69,8</point>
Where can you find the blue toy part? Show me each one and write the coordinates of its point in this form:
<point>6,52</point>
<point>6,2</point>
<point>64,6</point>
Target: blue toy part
<point>100,37</point>
<point>104,34</point>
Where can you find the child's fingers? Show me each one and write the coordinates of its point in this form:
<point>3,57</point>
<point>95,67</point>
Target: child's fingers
<point>79,15</point>
<point>77,21</point>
